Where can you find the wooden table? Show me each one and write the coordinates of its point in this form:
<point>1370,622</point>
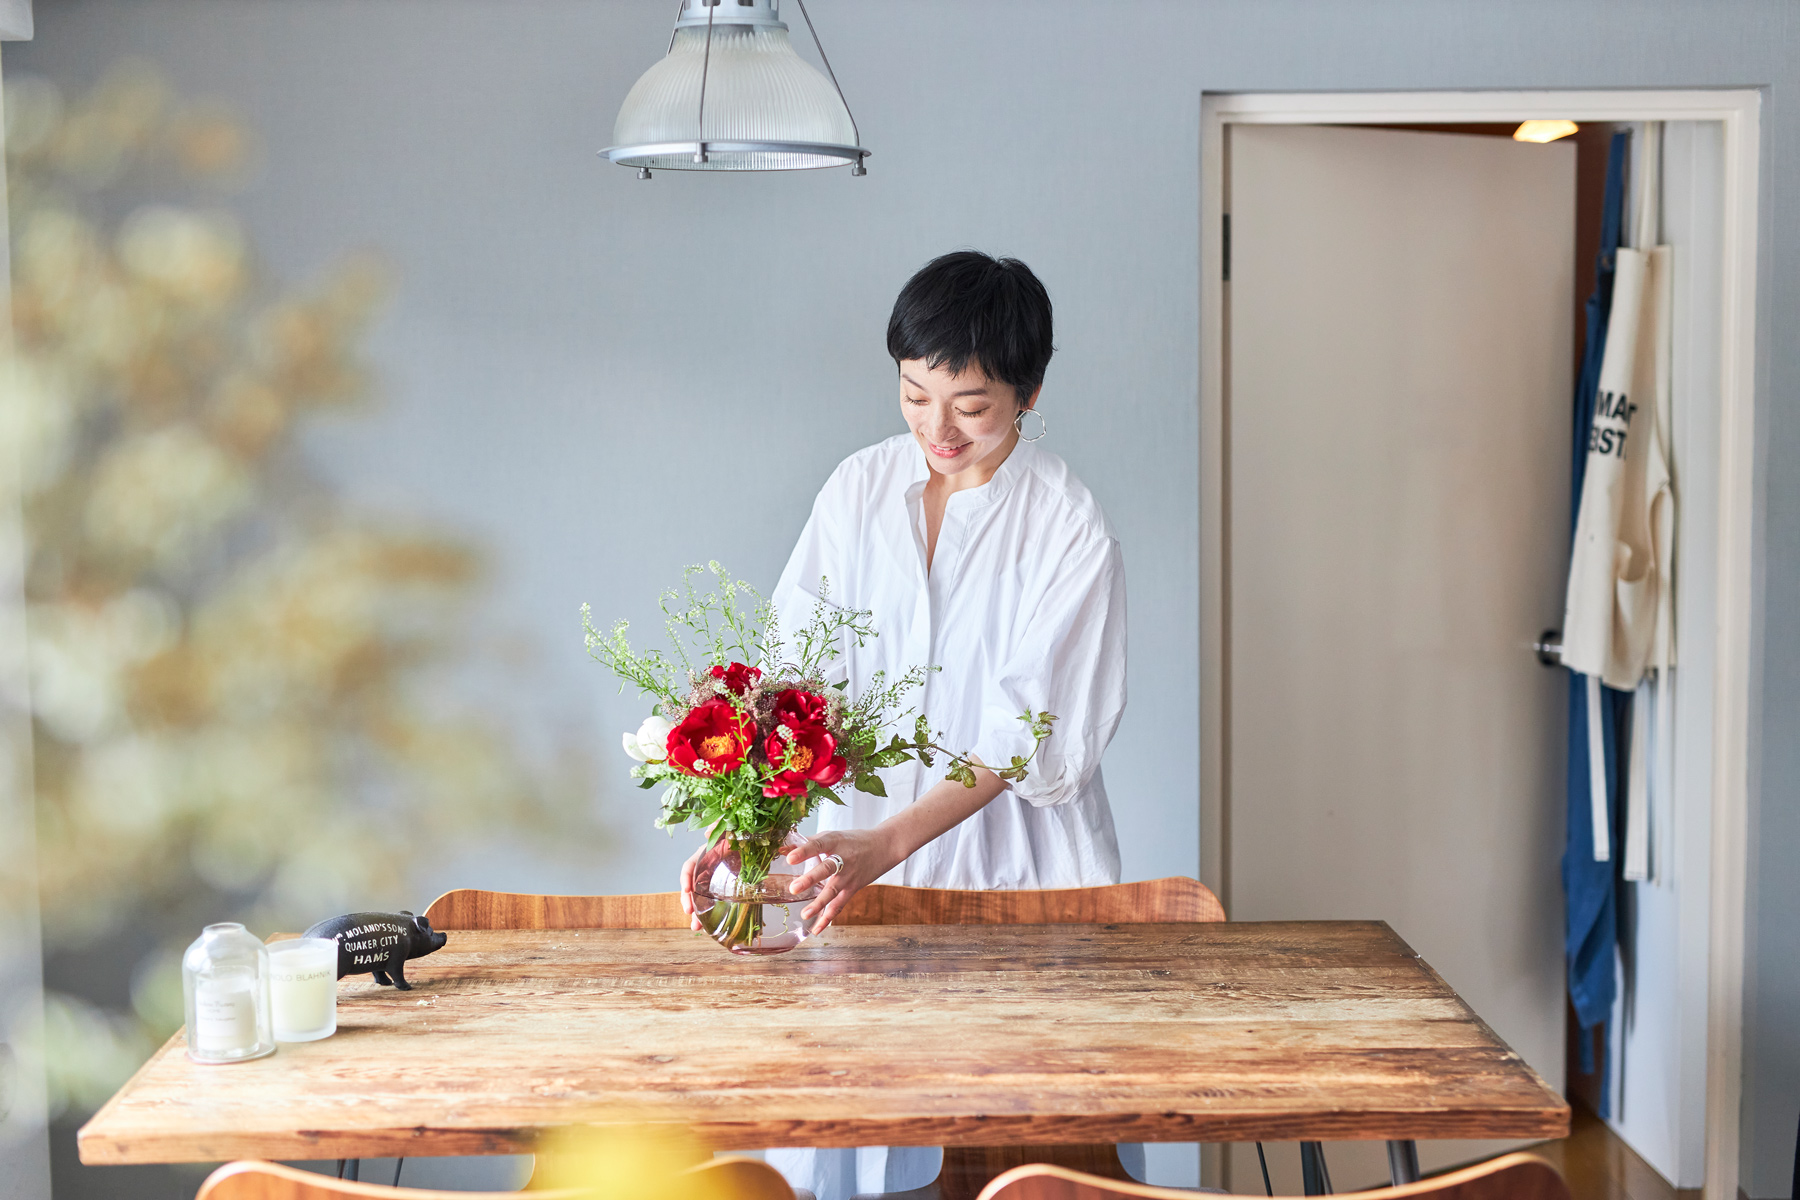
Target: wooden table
<point>882,1035</point>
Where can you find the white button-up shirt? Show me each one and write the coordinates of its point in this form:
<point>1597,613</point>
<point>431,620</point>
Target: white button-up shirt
<point>1023,608</point>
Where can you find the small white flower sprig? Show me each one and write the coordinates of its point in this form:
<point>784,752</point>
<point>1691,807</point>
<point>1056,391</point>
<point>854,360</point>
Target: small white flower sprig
<point>752,750</point>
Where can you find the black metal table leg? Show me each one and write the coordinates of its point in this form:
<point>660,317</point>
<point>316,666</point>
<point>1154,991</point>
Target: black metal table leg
<point>1313,1171</point>
<point>1403,1162</point>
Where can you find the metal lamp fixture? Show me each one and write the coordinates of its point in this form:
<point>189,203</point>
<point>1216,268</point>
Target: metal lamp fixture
<point>731,95</point>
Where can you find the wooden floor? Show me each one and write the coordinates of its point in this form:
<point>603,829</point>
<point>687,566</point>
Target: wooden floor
<point>1599,1166</point>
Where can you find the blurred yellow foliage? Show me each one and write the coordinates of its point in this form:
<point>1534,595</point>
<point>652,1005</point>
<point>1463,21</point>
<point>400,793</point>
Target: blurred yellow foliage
<point>622,1161</point>
<point>647,1162</point>
<point>235,713</point>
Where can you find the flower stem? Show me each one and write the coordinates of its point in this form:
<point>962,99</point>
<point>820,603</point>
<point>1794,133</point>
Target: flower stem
<point>738,920</point>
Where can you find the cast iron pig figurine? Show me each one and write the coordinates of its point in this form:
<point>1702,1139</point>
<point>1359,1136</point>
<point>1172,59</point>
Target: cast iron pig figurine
<point>379,942</point>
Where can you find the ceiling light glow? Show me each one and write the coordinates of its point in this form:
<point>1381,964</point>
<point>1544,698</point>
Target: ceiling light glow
<point>1544,131</point>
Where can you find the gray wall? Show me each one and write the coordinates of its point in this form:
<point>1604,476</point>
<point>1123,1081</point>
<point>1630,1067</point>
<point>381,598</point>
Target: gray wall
<point>570,344</point>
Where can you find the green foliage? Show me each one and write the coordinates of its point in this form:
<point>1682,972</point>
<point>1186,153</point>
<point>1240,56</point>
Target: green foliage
<point>720,625</point>
<point>712,626</point>
<point>729,804</point>
<point>817,642</point>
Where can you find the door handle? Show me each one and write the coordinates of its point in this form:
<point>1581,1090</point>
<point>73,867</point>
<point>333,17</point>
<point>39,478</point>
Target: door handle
<point>1549,647</point>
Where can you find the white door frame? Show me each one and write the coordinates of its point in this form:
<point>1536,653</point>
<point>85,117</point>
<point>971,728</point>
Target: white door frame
<point>1739,112</point>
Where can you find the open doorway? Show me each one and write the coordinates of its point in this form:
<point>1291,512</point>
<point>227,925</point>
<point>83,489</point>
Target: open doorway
<point>1273,772</point>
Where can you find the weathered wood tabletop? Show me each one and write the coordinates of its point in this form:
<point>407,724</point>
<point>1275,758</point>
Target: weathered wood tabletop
<point>881,1035</point>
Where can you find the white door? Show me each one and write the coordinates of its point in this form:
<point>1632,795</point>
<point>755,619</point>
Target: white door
<point>1398,411</point>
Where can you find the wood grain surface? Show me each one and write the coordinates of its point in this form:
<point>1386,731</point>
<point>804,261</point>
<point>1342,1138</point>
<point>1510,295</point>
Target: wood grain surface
<point>1150,901</point>
<point>949,1035</point>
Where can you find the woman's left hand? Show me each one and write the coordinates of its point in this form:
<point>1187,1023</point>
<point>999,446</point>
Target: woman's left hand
<point>867,855</point>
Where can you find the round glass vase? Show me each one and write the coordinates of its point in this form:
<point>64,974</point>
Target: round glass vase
<point>742,894</point>
<point>225,982</point>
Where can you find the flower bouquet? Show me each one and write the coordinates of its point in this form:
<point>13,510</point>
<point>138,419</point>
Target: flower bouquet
<point>748,752</point>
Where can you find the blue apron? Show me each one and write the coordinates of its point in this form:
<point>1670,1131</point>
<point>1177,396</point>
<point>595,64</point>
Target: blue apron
<point>1591,936</point>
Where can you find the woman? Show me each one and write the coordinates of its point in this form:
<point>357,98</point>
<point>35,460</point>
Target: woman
<point>981,554</point>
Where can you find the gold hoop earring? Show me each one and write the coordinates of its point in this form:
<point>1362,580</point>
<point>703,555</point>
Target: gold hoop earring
<point>1019,424</point>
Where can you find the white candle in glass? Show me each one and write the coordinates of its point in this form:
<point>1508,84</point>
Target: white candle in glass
<point>303,985</point>
<point>225,994</point>
<point>225,1013</point>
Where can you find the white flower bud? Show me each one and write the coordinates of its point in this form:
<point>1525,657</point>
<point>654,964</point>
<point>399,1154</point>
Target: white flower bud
<point>653,739</point>
<point>631,747</point>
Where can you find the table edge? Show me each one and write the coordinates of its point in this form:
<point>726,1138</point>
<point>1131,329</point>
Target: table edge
<point>1546,1123</point>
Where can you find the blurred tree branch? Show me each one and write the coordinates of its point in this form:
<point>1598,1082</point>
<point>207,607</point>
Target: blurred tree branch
<point>236,679</point>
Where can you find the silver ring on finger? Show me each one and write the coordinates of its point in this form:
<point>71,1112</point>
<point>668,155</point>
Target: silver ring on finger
<point>837,864</point>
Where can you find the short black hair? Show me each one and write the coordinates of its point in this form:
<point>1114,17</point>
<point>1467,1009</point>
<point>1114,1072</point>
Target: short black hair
<point>968,307</point>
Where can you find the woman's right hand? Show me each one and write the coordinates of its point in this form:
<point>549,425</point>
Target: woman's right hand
<point>687,887</point>
<point>863,856</point>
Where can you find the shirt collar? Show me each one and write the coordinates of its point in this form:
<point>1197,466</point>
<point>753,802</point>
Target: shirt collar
<point>1004,478</point>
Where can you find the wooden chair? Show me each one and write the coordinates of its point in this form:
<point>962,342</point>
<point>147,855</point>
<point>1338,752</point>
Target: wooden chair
<point>469,908</point>
<point>718,1179</point>
<point>1151,902</point>
<point>1510,1177</point>
<point>966,1168</point>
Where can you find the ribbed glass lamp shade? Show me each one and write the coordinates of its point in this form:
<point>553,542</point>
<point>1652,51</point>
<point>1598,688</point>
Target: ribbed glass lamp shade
<point>766,108</point>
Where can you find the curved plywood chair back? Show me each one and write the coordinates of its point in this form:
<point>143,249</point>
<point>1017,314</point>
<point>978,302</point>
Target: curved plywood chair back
<point>1153,901</point>
<point>469,908</point>
<point>253,1180</point>
<point>1149,902</point>
<point>1510,1177</point>
<point>719,1179</point>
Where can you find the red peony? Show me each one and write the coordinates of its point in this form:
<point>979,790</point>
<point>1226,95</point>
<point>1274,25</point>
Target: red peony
<point>738,678</point>
<point>811,756</point>
<point>712,739</point>
<point>798,709</point>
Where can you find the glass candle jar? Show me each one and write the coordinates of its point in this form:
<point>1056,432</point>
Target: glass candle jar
<point>225,981</point>
<point>303,987</point>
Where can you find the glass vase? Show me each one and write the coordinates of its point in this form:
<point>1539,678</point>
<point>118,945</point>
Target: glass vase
<point>742,896</point>
<point>225,983</point>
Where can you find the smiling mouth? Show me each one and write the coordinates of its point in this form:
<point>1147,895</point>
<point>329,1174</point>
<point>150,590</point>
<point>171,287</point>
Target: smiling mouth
<point>947,451</point>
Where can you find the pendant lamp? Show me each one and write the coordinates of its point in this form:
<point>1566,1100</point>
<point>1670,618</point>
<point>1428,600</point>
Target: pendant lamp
<point>731,95</point>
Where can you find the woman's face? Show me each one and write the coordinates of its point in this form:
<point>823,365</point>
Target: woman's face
<point>962,422</point>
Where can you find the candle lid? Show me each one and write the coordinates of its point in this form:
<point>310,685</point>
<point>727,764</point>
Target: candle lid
<point>225,944</point>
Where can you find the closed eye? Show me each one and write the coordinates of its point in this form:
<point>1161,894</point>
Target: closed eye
<point>976,413</point>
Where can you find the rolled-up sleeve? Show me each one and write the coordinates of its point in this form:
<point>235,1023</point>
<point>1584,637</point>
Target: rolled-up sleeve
<point>1069,661</point>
